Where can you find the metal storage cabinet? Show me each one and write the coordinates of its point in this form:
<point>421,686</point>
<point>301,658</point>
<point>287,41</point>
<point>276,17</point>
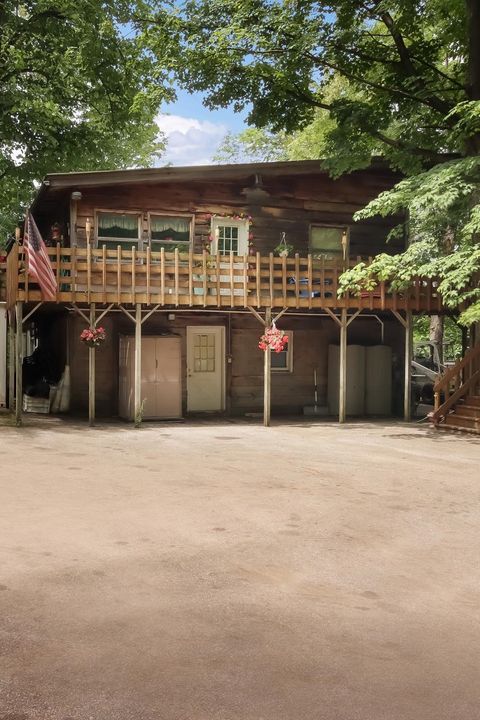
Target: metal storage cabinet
<point>355,379</point>
<point>378,385</point>
<point>161,377</point>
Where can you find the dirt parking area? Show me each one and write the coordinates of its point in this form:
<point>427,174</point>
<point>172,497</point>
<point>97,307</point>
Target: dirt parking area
<point>223,571</point>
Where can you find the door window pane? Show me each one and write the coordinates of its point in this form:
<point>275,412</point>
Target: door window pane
<point>204,353</point>
<point>227,240</point>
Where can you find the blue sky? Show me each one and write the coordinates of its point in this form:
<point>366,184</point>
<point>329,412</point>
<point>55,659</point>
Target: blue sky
<point>192,131</point>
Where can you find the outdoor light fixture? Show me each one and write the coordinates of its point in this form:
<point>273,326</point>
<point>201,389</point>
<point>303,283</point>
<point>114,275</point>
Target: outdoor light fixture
<point>76,195</point>
<point>256,192</point>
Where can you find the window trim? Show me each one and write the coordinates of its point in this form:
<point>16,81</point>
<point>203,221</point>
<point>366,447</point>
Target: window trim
<point>101,240</point>
<point>156,213</point>
<point>289,365</point>
<point>336,226</point>
<point>243,224</point>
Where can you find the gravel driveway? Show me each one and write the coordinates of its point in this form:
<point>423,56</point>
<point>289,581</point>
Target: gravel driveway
<point>223,571</point>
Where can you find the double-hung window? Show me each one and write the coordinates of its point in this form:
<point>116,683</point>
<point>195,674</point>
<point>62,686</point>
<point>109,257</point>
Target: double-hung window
<point>170,232</point>
<point>283,361</point>
<point>116,228</point>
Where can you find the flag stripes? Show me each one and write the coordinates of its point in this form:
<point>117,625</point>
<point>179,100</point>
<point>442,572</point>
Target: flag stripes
<point>38,262</point>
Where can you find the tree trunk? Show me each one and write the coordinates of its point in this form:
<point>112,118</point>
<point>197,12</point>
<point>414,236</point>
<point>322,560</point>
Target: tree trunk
<point>436,337</point>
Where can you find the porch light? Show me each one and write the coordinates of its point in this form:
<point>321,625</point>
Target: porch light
<point>257,191</point>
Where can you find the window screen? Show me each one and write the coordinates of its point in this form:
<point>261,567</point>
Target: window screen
<point>326,241</point>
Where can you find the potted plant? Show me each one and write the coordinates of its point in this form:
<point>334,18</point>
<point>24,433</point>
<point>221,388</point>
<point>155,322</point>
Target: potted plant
<point>93,337</point>
<point>283,248</point>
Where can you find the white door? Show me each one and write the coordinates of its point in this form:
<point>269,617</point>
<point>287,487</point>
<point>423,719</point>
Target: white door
<point>230,237</point>
<point>205,368</point>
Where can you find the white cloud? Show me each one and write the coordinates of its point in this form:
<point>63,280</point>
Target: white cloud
<point>190,141</point>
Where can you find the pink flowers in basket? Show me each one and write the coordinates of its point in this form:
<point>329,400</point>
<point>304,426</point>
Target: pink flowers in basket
<point>93,337</point>
<point>273,339</point>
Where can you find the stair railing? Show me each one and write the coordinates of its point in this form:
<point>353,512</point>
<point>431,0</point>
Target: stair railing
<point>454,384</point>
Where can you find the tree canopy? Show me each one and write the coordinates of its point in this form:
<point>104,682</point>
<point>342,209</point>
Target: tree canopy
<point>77,92</point>
<point>406,85</point>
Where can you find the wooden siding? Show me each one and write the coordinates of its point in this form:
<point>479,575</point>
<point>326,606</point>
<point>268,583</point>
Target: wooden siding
<point>291,204</point>
<point>244,373</point>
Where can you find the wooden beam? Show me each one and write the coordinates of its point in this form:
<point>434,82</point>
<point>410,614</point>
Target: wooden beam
<point>352,317</point>
<point>138,365</point>
<point>400,319</point>
<point>80,312</point>
<point>11,359</point>
<point>267,375</point>
<point>342,387</point>
<point>333,316</point>
<point>102,315</point>
<point>31,312</point>
<point>282,312</point>
<point>257,315</point>
<point>407,399</point>
<point>128,314</point>
<point>150,312</point>
<point>91,373</point>
<point>18,363</point>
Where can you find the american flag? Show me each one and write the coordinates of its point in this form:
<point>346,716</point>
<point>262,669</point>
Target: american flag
<point>39,265</point>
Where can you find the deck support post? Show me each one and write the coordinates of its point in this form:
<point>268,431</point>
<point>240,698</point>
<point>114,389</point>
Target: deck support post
<point>342,385</point>
<point>407,397</point>
<point>18,363</point>
<point>11,360</point>
<point>138,365</point>
<point>267,375</point>
<point>91,373</point>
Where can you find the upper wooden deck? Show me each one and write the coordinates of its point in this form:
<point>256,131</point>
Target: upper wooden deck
<point>174,280</point>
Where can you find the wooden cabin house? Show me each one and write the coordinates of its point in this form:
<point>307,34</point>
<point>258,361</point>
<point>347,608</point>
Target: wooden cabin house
<point>183,267</point>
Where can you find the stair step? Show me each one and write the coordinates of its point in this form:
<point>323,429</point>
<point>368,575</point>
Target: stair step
<point>473,400</point>
<point>471,410</point>
<point>457,428</point>
<point>458,420</point>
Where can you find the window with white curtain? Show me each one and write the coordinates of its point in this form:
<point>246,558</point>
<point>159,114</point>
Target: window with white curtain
<point>170,232</point>
<point>118,229</point>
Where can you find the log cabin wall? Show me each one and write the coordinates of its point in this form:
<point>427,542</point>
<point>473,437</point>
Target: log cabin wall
<point>292,204</point>
<point>244,374</point>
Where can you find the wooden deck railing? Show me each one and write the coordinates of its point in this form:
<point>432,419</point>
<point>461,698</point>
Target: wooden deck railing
<point>101,275</point>
<point>462,378</point>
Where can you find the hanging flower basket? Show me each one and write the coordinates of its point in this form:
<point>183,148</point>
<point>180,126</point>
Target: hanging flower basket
<point>273,339</point>
<point>93,337</point>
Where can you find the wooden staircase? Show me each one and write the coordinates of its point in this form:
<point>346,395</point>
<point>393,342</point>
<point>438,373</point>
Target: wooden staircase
<point>459,388</point>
